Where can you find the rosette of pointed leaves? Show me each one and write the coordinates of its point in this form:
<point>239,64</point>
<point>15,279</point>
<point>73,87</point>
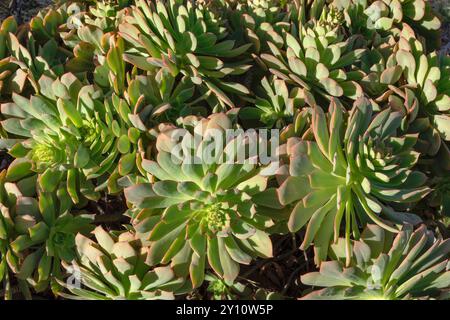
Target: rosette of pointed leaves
<point>356,167</point>
<point>149,99</point>
<point>390,15</point>
<point>330,16</point>
<point>259,21</point>
<point>36,59</point>
<point>107,14</point>
<point>21,65</point>
<point>12,78</point>
<point>394,79</point>
<point>279,106</point>
<point>46,24</point>
<point>184,37</point>
<point>115,267</point>
<point>220,290</point>
<point>9,260</point>
<point>76,13</point>
<point>319,59</point>
<point>203,210</point>
<point>415,120</point>
<point>402,100</point>
<point>383,78</point>
<point>380,67</point>
<point>301,126</point>
<point>98,16</point>
<point>71,134</point>
<point>413,265</point>
<point>50,39</point>
<point>276,105</point>
<point>159,97</point>
<point>91,34</point>
<point>96,40</point>
<point>156,96</point>
<point>356,19</point>
<point>429,76</point>
<point>45,235</point>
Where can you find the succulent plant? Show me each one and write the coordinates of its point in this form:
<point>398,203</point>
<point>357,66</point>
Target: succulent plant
<point>355,19</point>
<point>116,268</point>
<point>107,14</point>
<point>42,232</point>
<point>301,126</point>
<point>390,15</point>
<point>12,78</point>
<point>40,47</point>
<point>319,59</point>
<point>209,128</point>
<point>9,260</point>
<point>46,236</point>
<point>380,67</point>
<point>357,166</point>
<point>46,24</point>
<point>21,65</point>
<point>153,98</point>
<point>159,97</point>
<point>429,76</point>
<point>413,265</point>
<point>70,133</point>
<point>201,208</point>
<point>221,290</point>
<point>281,107</point>
<point>91,33</point>
<point>259,21</point>
<point>275,107</point>
<point>416,119</point>
<point>383,80</point>
<point>399,75</point>
<point>184,37</point>
<point>9,25</point>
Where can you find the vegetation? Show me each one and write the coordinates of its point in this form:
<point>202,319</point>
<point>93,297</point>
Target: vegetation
<point>225,149</point>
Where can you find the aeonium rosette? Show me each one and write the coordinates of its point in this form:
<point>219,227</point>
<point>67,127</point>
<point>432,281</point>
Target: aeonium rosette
<point>70,133</point>
<point>359,168</point>
<point>202,209</point>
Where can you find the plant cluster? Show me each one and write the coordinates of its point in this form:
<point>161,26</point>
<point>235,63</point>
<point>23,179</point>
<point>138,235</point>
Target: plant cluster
<point>161,146</point>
